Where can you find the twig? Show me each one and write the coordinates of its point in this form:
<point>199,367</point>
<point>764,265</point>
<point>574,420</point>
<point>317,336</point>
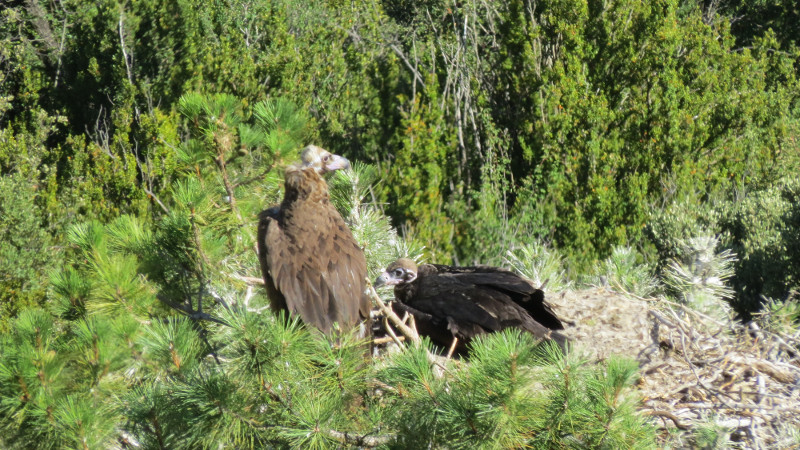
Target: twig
<point>191,313</point>
<point>260,176</point>
<point>218,298</point>
<point>156,199</point>
<point>393,338</point>
<point>668,415</point>
<point>688,310</point>
<point>662,319</point>
<point>359,440</point>
<point>392,335</point>
<point>413,69</point>
<point>410,334</point>
<point>737,406</point>
<point>125,56</point>
<point>251,281</point>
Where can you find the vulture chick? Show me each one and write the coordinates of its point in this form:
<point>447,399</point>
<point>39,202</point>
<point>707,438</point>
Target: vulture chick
<point>463,302</point>
<point>312,265</point>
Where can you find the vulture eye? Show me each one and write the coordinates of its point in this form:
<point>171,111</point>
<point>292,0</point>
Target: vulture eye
<point>398,272</point>
<point>327,157</point>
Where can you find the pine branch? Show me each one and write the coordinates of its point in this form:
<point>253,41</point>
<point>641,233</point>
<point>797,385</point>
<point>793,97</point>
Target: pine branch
<point>252,179</point>
<point>191,313</point>
<point>359,440</point>
<point>229,187</point>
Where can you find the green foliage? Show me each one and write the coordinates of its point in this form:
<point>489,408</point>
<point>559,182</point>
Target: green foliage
<point>698,278</point>
<point>762,228</point>
<point>41,380</point>
<point>710,435</point>
<point>625,271</point>
<point>779,316</point>
<point>152,337</point>
<point>759,226</point>
<point>350,191</point>
<point>756,18</point>
<point>25,247</point>
<point>160,128</point>
<point>173,346</point>
<point>564,123</point>
<point>543,266</point>
<point>513,394</point>
<point>629,104</point>
<point>417,177</point>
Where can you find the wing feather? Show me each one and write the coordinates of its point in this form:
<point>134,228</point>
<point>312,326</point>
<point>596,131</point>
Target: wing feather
<point>518,289</point>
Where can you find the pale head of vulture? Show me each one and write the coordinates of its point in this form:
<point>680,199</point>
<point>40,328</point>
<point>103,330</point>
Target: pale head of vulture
<point>303,180</point>
<point>402,271</point>
<point>322,160</point>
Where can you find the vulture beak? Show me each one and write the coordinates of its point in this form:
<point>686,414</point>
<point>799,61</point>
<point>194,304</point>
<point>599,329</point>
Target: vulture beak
<point>384,280</point>
<point>336,163</point>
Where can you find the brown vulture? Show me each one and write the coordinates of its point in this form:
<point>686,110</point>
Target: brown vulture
<point>312,265</point>
<point>463,302</point>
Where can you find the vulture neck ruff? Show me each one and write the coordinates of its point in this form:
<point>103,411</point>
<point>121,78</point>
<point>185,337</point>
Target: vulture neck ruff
<point>304,184</point>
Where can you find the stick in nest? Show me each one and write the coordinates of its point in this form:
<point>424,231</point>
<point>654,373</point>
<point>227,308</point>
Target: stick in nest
<point>410,333</point>
<point>668,415</point>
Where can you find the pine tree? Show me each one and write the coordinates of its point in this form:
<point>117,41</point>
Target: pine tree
<point>159,334</point>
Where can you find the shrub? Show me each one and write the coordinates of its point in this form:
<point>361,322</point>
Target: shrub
<point>699,276</point>
<point>26,249</point>
<point>760,226</point>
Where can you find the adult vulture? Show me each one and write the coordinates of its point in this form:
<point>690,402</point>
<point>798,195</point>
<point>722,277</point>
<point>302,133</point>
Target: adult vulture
<point>452,305</point>
<point>312,265</point>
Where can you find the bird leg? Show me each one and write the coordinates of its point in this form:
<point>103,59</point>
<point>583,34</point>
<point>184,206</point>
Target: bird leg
<point>452,347</point>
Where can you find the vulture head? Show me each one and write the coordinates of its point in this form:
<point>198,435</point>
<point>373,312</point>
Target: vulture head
<point>322,160</point>
<point>402,271</point>
<point>304,180</point>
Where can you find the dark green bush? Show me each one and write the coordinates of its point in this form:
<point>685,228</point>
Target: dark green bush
<point>26,248</point>
<point>762,228</point>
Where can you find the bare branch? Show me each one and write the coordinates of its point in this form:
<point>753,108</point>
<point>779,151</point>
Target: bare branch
<point>128,60</point>
<point>359,440</point>
<point>409,333</point>
<point>408,64</point>
<point>155,198</point>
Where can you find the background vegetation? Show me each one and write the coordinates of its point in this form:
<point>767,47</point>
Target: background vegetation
<point>138,141</point>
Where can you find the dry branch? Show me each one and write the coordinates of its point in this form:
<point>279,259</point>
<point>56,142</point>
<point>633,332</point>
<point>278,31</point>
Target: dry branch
<point>410,333</point>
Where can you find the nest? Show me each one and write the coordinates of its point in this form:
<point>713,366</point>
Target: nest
<point>696,371</point>
<point>742,378</point>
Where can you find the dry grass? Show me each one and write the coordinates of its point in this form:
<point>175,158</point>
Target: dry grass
<point>694,369</point>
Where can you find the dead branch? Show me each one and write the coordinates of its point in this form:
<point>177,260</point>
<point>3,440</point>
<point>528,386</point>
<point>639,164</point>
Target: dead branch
<point>356,440</point>
<point>409,333</point>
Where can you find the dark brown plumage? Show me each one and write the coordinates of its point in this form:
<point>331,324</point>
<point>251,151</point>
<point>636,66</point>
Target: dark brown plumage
<point>464,302</point>
<point>312,265</point>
